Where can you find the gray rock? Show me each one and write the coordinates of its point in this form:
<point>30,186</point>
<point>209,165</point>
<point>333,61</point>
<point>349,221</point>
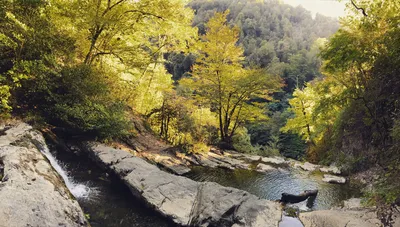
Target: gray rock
<point>333,179</point>
<point>339,218</point>
<point>330,169</point>
<point>187,202</point>
<point>251,158</point>
<point>274,160</point>
<point>177,168</point>
<point>227,162</point>
<point>353,203</point>
<point>306,166</point>
<point>264,168</point>
<point>34,194</point>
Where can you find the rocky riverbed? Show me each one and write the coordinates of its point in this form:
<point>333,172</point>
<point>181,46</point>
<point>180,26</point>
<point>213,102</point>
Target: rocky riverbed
<point>180,164</point>
<point>185,201</point>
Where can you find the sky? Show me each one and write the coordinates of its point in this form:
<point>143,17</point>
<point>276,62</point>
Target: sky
<point>331,8</point>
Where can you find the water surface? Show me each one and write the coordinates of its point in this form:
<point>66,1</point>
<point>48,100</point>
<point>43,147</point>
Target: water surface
<point>272,184</point>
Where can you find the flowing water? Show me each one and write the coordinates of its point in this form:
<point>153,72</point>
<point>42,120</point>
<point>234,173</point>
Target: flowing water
<point>272,184</point>
<point>106,201</point>
<point>76,189</point>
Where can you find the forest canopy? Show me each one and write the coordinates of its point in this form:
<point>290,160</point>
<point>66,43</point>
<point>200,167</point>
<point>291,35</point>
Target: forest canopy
<point>90,66</point>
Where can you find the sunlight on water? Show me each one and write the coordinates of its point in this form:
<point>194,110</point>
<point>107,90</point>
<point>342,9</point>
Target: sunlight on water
<point>271,185</point>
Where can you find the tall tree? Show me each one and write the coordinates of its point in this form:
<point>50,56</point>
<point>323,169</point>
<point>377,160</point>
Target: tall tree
<point>220,80</point>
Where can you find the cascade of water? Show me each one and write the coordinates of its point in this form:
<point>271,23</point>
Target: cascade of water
<point>78,190</point>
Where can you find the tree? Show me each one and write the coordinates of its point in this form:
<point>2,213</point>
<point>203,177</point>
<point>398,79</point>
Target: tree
<point>219,79</point>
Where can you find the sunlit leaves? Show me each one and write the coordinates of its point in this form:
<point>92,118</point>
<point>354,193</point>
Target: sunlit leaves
<point>220,81</point>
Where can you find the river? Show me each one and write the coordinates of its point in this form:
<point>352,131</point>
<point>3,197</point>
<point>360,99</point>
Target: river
<point>271,185</point>
<point>108,202</point>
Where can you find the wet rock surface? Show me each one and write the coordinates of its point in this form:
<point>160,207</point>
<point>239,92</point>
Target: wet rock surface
<point>31,192</point>
<point>185,201</point>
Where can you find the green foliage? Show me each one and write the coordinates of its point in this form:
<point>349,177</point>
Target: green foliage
<point>26,45</point>
<point>199,148</point>
<point>241,141</point>
<point>183,123</point>
<point>80,99</point>
<point>220,81</point>
<point>351,115</point>
<point>273,35</point>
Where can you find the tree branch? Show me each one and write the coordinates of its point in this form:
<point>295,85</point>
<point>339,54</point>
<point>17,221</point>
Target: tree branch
<point>359,8</point>
<point>144,13</point>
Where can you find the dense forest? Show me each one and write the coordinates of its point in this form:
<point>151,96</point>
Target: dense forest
<point>257,77</point>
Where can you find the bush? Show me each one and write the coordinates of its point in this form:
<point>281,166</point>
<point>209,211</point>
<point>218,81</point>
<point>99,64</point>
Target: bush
<point>80,99</point>
<point>241,141</point>
<point>200,148</point>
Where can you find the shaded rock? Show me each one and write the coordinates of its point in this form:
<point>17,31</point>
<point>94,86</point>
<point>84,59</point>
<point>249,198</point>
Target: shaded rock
<point>203,161</point>
<point>172,164</point>
<point>34,194</point>
<point>330,169</point>
<point>333,179</point>
<point>177,168</point>
<point>187,202</point>
<point>251,158</point>
<point>264,168</point>
<point>231,163</point>
<point>339,218</point>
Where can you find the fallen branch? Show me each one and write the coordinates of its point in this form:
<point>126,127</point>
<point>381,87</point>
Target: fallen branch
<point>308,194</point>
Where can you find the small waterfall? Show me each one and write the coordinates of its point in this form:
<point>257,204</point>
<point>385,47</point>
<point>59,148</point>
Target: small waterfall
<point>78,190</point>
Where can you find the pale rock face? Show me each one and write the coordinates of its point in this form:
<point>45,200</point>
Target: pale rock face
<point>339,218</point>
<point>306,166</point>
<point>274,160</point>
<point>330,169</point>
<point>32,194</point>
<point>184,201</point>
<point>353,203</point>
<point>264,168</point>
<point>333,179</point>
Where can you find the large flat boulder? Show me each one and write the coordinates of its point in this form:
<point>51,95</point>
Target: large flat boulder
<point>306,166</point>
<point>330,169</point>
<point>333,179</point>
<point>339,218</point>
<point>184,201</point>
<point>264,168</point>
<point>31,191</point>
<point>275,160</point>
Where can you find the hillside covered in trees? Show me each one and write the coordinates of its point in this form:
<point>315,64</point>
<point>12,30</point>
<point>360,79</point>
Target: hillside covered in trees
<point>254,76</point>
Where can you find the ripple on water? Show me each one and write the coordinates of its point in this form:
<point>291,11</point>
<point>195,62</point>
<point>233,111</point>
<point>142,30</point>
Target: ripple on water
<point>271,185</point>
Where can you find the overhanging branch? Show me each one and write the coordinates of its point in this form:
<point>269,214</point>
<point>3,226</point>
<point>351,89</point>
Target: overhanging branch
<point>359,8</point>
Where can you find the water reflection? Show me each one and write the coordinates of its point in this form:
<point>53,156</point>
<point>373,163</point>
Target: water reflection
<point>272,184</point>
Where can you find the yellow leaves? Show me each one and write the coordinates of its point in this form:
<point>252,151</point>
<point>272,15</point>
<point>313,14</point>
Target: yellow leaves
<point>150,88</point>
<point>21,25</point>
<point>314,110</point>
